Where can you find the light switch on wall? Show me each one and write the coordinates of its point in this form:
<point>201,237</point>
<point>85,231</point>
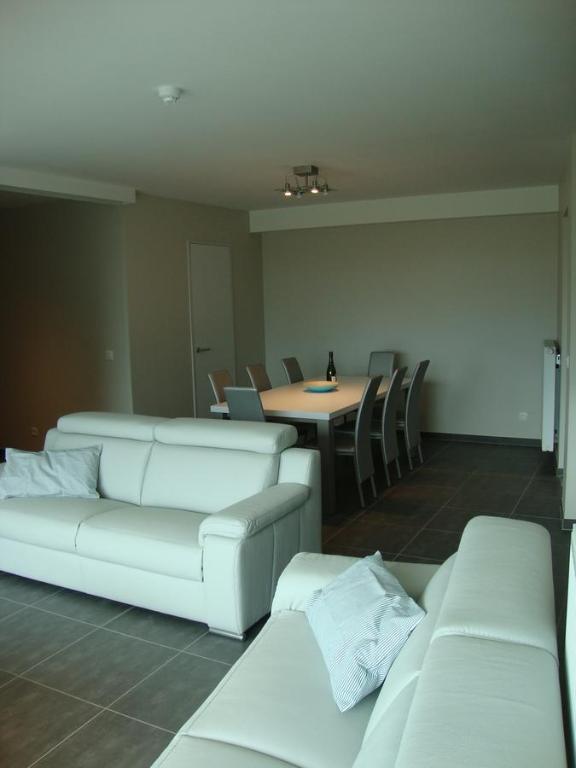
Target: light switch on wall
<point>108,354</point>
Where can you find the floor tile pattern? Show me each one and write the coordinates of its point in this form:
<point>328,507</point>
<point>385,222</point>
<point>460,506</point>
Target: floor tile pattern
<point>87,682</point>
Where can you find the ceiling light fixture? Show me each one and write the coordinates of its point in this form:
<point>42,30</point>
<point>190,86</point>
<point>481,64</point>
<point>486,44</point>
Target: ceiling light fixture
<point>305,179</point>
<point>169,93</point>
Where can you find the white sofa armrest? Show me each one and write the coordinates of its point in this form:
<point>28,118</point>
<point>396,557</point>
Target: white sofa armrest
<point>309,571</point>
<point>247,517</point>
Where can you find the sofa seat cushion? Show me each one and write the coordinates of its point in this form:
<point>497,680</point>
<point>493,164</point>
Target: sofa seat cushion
<point>277,700</point>
<point>481,702</point>
<point>50,522</point>
<point>187,752</point>
<point>153,539</point>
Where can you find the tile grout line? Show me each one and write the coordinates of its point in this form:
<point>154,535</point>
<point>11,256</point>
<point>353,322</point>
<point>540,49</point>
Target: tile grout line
<point>528,484</point>
<point>101,708</point>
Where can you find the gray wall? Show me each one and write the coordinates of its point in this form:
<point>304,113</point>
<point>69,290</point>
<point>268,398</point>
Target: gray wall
<point>63,305</point>
<point>156,232</point>
<point>476,296</point>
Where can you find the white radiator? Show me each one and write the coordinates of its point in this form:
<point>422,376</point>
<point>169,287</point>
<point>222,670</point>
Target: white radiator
<point>550,395</point>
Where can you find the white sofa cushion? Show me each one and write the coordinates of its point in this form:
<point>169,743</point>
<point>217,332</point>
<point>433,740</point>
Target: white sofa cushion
<point>483,703</point>
<point>125,425</point>
<point>361,621</point>
<point>501,587</point>
<point>150,538</point>
<point>122,462</point>
<point>408,664</point>
<point>277,700</point>
<point>205,479</point>
<point>189,752</point>
<point>233,435</point>
<point>50,522</point>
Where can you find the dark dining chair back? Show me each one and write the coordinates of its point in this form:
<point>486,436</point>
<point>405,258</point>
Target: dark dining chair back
<point>389,437</point>
<point>382,364</point>
<point>412,416</point>
<point>292,370</point>
<point>258,377</point>
<point>358,446</point>
<point>219,380</point>
<point>244,404</point>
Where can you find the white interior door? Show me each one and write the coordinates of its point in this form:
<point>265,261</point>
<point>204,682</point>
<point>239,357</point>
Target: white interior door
<point>211,319</point>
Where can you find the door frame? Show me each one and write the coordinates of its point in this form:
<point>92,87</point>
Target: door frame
<point>218,244</point>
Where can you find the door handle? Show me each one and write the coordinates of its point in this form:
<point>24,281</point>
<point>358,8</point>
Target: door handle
<point>203,349</point>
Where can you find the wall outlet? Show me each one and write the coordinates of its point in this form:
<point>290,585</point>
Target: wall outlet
<point>108,354</point>
<point>522,416</point>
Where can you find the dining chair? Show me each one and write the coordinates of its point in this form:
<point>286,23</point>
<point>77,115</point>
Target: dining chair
<point>244,404</point>
<point>292,369</point>
<point>382,364</point>
<point>410,423</point>
<point>259,377</point>
<point>219,380</point>
<point>358,445</point>
<point>384,429</point>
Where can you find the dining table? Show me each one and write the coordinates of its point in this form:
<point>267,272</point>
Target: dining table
<point>294,403</point>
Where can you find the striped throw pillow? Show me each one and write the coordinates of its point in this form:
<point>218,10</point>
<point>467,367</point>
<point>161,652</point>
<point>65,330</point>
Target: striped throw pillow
<point>361,621</point>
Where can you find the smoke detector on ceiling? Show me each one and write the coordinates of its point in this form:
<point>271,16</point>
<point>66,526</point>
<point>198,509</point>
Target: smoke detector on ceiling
<point>169,93</point>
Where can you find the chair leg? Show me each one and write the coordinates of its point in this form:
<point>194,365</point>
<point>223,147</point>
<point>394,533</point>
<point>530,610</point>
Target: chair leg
<point>388,483</point>
<point>410,462</point>
<point>361,494</point>
<point>398,469</point>
<point>420,453</point>
<point>373,484</point>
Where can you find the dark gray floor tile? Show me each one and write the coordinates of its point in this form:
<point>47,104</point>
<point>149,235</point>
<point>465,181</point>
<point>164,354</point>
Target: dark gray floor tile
<point>30,636</point>
<point>453,519</point>
<point>531,507</point>
<point>7,608</point>
<point>101,667</point>
<point>158,628</point>
<point>485,502</point>
<point>419,494</point>
<point>388,512</point>
<point>437,545</point>
<point>5,677</point>
<point>24,590</point>
<point>545,488</point>
<point>109,740</point>
<point>77,605</point>
<point>373,536</point>
<point>172,694</point>
<point>441,477</point>
<point>481,482</point>
<point>33,719</point>
<point>224,649</point>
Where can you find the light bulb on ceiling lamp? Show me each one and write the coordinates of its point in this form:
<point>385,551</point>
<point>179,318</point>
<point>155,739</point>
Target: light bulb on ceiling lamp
<point>306,180</point>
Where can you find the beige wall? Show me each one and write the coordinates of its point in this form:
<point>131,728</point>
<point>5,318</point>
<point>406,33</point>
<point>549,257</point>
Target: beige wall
<point>156,233</point>
<point>476,296</point>
<point>63,305</point>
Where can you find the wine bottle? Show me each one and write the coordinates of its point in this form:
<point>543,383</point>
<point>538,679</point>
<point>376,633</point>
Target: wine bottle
<point>331,370</point>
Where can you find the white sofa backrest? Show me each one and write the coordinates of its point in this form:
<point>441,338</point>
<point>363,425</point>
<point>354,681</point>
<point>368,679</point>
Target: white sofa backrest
<point>126,442</point>
<point>206,465</point>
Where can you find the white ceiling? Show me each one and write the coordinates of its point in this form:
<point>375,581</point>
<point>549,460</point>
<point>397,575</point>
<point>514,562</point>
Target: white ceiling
<point>388,97</point>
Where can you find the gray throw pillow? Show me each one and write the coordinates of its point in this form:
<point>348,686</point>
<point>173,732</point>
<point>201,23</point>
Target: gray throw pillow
<point>361,621</point>
<point>71,472</point>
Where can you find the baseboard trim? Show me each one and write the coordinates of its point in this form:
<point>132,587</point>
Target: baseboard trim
<point>568,523</point>
<point>484,439</point>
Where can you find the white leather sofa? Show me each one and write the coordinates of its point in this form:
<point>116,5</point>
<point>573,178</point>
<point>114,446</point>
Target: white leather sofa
<point>198,517</point>
<point>475,686</point>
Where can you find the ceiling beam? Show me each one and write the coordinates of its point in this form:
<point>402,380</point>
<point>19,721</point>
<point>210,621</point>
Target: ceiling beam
<point>455,205</point>
<point>69,187</point>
